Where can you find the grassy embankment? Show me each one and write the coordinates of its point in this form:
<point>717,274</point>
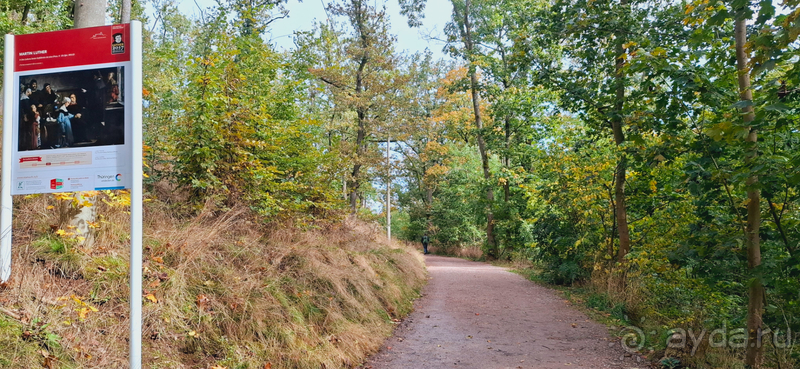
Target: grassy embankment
<point>221,290</point>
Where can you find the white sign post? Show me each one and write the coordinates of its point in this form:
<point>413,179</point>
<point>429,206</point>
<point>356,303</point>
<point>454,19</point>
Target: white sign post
<point>136,199</point>
<point>72,121</point>
<point>5,192</point>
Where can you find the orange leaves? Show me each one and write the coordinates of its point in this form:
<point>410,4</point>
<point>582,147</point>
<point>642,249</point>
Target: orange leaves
<point>49,359</point>
<point>457,112</point>
<point>202,302</point>
<point>152,298</point>
<point>435,147</point>
<point>437,171</point>
<point>83,313</point>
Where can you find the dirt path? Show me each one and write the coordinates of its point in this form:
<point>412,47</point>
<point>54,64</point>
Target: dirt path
<point>474,315</point>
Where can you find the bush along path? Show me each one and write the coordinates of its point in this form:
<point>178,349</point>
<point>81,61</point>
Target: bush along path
<point>474,315</point>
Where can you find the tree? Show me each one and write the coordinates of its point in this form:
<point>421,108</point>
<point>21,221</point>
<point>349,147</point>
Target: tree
<point>361,78</point>
<point>462,29</point>
<point>237,136</point>
<point>90,13</point>
<point>756,301</point>
<point>422,136</point>
<point>595,68</point>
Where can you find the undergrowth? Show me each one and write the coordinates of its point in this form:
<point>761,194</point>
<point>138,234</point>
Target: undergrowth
<point>220,290</point>
<point>469,252</point>
<point>629,316</point>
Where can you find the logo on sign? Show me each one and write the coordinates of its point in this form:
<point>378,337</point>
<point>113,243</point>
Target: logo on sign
<point>56,183</point>
<point>117,46</point>
<point>109,178</point>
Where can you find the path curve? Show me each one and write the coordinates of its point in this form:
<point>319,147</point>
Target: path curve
<point>474,315</point>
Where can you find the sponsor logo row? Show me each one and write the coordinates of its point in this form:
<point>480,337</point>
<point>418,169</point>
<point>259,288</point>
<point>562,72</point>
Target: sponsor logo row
<point>99,181</point>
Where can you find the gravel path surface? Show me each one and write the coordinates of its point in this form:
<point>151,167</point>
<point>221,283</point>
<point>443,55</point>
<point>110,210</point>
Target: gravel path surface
<point>474,315</point>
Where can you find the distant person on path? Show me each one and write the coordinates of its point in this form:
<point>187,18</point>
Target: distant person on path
<point>425,241</point>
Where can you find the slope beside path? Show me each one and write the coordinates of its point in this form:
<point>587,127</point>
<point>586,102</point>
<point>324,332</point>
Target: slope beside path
<point>474,315</point>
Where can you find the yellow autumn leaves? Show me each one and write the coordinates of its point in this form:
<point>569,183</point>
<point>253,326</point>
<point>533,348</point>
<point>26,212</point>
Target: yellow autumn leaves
<point>68,202</point>
<point>634,50</point>
<point>703,11</point>
<point>82,308</point>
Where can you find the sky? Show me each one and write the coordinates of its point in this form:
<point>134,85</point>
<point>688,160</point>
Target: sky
<point>303,14</point>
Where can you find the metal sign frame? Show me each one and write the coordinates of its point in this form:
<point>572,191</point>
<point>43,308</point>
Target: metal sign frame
<point>49,54</point>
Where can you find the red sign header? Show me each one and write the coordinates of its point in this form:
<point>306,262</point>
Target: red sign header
<point>74,47</point>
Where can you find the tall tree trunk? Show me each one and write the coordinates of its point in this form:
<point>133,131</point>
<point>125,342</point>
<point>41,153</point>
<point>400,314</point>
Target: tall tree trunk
<point>355,175</point>
<point>507,121</point>
<point>428,197</point>
<point>361,150</point>
<point>125,11</point>
<point>754,352</point>
<point>507,159</point>
<point>88,13</point>
<point>466,33</point>
<point>620,209</point>
<point>428,206</point>
<point>361,135</point>
<point>25,12</point>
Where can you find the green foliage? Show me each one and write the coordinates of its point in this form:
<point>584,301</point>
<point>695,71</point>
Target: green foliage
<point>452,218</point>
<point>235,133</point>
<point>230,121</point>
<point>670,362</point>
<point>21,17</point>
<point>358,88</point>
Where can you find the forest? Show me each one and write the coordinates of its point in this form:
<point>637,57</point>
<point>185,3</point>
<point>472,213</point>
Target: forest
<point>645,150</point>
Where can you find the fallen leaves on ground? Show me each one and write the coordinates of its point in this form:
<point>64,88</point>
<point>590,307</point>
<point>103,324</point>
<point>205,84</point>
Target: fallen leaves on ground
<point>203,301</point>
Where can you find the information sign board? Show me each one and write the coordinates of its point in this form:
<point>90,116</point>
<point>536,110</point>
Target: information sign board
<point>73,117</point>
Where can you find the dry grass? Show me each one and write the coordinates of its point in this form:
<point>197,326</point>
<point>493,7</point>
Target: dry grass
<point>221,289</point>
<point>470,252</point>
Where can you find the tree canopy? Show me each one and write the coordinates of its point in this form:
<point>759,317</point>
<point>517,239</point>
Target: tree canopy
<point>646,148</point>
